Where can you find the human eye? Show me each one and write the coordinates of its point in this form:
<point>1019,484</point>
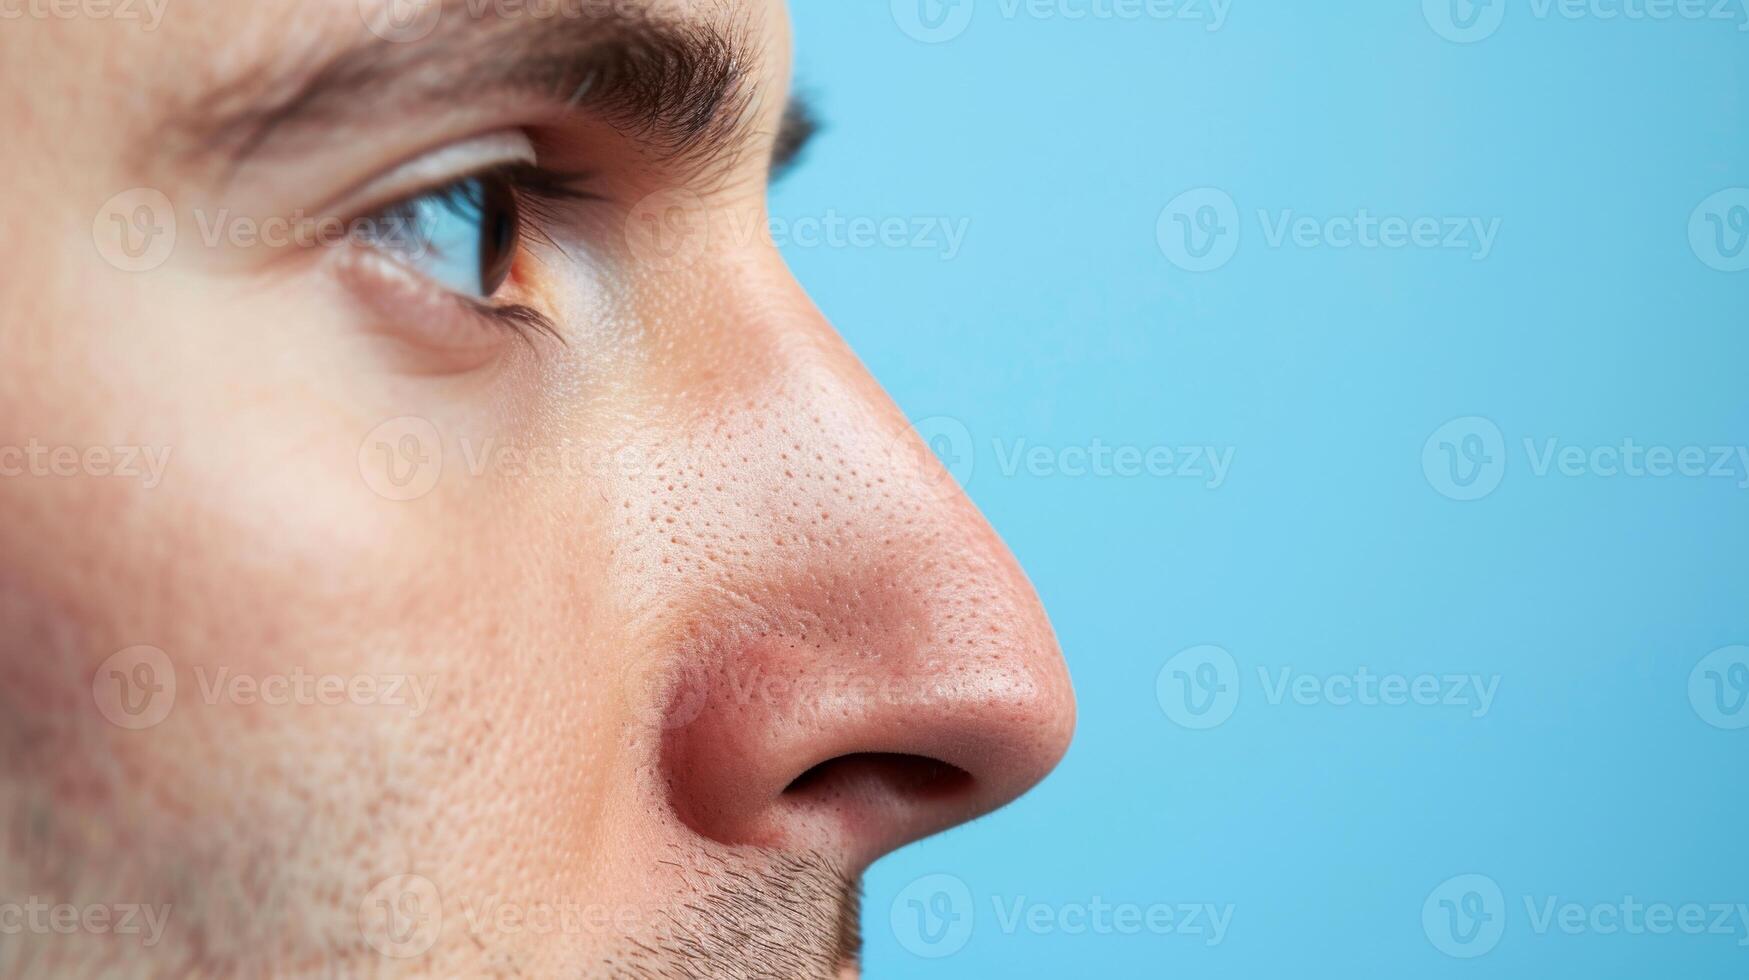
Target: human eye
<point>451,247</point>
<point>464,236</point>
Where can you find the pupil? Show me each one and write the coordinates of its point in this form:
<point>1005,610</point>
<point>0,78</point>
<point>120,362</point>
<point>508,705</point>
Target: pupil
<point>498,232</point>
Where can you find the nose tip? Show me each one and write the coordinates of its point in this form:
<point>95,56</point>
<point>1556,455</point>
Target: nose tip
<point>858,743</point>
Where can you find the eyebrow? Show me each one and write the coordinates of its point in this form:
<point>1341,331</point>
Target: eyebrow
<point>680,88</point>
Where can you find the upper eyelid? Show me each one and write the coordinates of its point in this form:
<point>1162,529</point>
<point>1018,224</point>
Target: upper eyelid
<point>434,169</point>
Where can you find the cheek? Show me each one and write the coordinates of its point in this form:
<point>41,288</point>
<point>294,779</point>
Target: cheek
<point>241,509</point>
<point>265,549</point>
<point>257,528</point>
<point>242,531</point>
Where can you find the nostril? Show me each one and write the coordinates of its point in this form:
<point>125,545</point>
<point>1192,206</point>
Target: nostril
<point>889,774</point>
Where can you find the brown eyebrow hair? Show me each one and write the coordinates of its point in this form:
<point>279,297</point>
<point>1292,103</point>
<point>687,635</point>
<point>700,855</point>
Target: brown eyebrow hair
<point>679,87</point>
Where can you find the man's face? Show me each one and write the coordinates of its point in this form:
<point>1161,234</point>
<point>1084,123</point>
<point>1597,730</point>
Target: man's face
<point>437,535</point>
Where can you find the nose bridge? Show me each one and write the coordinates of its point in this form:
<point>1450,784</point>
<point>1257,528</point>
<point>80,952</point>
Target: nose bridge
<point>800,484</point>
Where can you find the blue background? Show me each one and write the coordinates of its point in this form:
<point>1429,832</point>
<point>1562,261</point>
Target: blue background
<point>1330,547</point>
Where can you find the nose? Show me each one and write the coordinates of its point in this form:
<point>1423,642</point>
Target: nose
<point>858,660</point>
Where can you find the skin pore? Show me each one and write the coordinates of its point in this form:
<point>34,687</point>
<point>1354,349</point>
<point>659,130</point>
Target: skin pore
<point>605,619</point>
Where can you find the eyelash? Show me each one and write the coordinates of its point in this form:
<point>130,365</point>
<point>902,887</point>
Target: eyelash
<point>539,194</point>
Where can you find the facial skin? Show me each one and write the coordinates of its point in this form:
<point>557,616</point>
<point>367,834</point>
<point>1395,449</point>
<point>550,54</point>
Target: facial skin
<point>616,644</point>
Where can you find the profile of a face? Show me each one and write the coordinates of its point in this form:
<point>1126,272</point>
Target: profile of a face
<point>436,538</point>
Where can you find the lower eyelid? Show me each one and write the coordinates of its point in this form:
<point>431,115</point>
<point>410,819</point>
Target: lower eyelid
<point>414,307</point>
